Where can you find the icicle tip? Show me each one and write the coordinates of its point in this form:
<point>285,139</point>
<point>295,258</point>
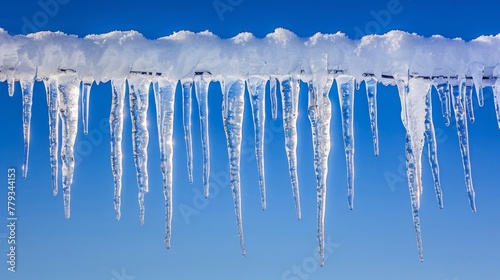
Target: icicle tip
<point>25,171</point>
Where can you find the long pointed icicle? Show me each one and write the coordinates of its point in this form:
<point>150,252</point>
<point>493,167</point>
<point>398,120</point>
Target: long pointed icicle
<point>415,113</point>
<point>496,97</point>
<point>27,87</point>
<point>346,87</point>
<point>234,98</point>
<point>403,90</point>
<point>371,94</point>
<point>68,101</point>
<point>139,102</point>
<point>320,113</point>
<point>257,91</point>
<point>274,98</point>
<point>116,118</point>
<point>430,135</point>
<point>201,87</point>
<point>53,109</point>
<point>86,86</point>
<point>413,99</point>
<point>458,101</point>
<point>414,195</point>
<point>443,90</point>
<point>165,98</point>
<point>187,109</point>
<point>290,106</point>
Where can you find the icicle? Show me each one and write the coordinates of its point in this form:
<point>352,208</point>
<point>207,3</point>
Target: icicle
<point>201,89</point>
<point>496,97</point>
<point>443,90</point>
<point>320,113</point>
<point>477,72</point>
<point>116,132</point>
<point>480,95</point>
<point>430,135</point>
<point>234,98</point>
<point>68,102</point>
<point>222,84</point>
<point>458,101</point>
<point>414,98</point>
<point>371,94</point>
<point>414,112</point>
<point>257,91</point>
<point>187,109</point>
<point>27,88</point>
<point>86,86</point>
<point>274,98</point>
<point>290,106</point>
<point>224,101</point>
<point>11,86</point>
<point>53,104</point>
<point>139,101</point>
<point>346,88</point>
<point>468,96</point>
<point>414,196</point>
<point>165,98</point>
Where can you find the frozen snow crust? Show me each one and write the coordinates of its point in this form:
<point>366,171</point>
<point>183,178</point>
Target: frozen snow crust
<point>113,55</point>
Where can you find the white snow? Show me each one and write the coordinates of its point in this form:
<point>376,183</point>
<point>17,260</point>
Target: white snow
<point>180,55</point>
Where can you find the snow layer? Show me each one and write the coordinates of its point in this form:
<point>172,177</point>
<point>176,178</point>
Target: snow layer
<point>114,55</point>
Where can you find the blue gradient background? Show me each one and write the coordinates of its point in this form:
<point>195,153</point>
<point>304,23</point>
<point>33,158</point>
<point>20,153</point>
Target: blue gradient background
<point>375,241</point>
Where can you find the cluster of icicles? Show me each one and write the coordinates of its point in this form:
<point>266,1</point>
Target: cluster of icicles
<point>63,94</point>
<point>398,58</point>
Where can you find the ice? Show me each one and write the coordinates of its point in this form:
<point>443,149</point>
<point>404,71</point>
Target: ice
<point>187,110</point>
<point>371,94</point>
<point>496,97</point>
<point>414,95</point>
<point>477,71</point>
<point>164,98</point>
<point>234,100</point>
<point>86,86</point>
<point>27,91</point>
<point>458,100</point>
<point>290,105</point>
<point>430,136</point>
<point>443,90</point>
<point>201,88</point>
<point>53,108</point>
<point>320,113</point>
<point>68,102</point>
<point>11,86</point>
<point>468,96</point>
<point>116,134</point>
<point>139,101</point>
<point>257,91</point>
<point>414,195</point>
<point>274,98</point>
<point>346,87</point>
<point>412,62</point>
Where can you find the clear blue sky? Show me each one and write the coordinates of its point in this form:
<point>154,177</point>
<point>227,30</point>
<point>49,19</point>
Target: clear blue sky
<point>375,241</point>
